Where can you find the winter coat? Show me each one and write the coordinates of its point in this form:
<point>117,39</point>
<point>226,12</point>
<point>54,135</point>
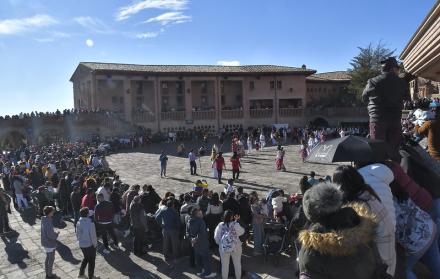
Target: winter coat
<point>415,229</point>
<point>150,200</point>
<point>342,254</point>
<point>221,230</point>
<point>75,199</point>
<point>384,231</point>
<point>137,216</point>
<point>48,235</point>
<point>196,228</point>
<point>385,95</point>
<point>86,233</point>
<point>104,212</point>
<point>169,219</point>
<point>379,177</point>
<point>421,197</point>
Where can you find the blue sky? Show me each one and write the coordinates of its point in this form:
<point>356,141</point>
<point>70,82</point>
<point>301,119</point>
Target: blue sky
<point>42,41</point>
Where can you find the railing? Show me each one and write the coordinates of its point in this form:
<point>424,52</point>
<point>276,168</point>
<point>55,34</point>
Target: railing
<point>230,114</point>
<point>202,115</point>
<point>173,115</point>
<point>143,116</point>
<point>261,113</point>
<point>338,111</point>
<point>291,112</point>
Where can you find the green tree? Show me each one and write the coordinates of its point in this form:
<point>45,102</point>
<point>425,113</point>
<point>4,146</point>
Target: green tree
<point>366,65</point>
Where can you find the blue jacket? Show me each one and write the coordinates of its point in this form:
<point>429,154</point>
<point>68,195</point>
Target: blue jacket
<point>169,219</point>
<point>86,233</point>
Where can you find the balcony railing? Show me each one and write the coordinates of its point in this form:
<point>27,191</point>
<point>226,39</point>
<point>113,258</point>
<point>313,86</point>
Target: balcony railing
<point>202,115</point>
<point>173,115</point>
<point>261,113</point>
<point>291,112</point>
<point>143,116</point>
<point>338,111</point>
<point>231,114</point>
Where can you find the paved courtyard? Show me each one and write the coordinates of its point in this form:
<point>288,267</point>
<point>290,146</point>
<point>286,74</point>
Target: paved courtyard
<point>23,257</point>
<point>258,172</point>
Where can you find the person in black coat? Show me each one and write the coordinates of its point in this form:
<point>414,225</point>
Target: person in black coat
<point>385,95</point>
<point>150,199</point>
<point>75,200</point>
<point>231,204</point>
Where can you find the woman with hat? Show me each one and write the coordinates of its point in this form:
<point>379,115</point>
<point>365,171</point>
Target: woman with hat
<point>339,242</point>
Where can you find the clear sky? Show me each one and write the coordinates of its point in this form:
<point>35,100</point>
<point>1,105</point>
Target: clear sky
<point>42,41</point>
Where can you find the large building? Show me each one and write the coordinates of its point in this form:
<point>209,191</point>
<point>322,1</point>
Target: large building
<point>421,56</point>
<point>167,97</point>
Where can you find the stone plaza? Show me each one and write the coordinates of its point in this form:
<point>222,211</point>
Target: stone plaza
<point>24,257</point>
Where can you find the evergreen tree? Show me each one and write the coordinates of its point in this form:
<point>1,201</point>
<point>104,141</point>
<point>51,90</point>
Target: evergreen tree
<point>366,65</point>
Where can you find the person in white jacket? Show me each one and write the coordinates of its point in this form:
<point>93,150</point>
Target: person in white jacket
<point>355,189</point>
<point>226,235</point>
<point>379,177</point>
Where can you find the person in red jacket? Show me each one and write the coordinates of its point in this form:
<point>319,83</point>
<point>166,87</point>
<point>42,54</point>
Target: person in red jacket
<point>219,162</point>
<point>104,213</point>
<point>89,201</point>
<point>419,195</point>
<point>236,165</point>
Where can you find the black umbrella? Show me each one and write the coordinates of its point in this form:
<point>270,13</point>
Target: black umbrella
<point>349,149</point>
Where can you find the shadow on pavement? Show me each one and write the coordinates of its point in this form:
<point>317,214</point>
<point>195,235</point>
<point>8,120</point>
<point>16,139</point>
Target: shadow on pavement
<point>15,251</point>
<point>66,253</point>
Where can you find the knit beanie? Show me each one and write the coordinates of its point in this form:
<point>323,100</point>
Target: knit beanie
<point>321,200</point>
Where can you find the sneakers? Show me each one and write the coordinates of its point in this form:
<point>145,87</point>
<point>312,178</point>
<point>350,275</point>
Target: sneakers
<point>212,275</point>
<point>106,251</point>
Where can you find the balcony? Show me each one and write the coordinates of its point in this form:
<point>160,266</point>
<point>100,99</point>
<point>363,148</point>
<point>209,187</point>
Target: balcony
<point>338,111</point>
<point>204,115</point>
<point>143,116</point>
<point>232,114</point>
<point>291,112</point>
<point>173,116</point>
<point>261,113</point>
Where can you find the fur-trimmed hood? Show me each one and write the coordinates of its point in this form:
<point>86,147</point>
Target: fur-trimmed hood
<point>343,242</point>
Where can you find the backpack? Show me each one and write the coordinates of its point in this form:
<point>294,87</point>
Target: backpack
<point>229,239</point>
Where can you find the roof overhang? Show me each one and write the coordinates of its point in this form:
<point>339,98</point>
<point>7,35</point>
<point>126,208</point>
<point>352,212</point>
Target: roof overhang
<point>421,56</point>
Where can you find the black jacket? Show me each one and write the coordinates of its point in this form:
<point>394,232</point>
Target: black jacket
<point>385,95</point>
<point>150,201</point>
<point>75,199</point>
<point>137,216</point>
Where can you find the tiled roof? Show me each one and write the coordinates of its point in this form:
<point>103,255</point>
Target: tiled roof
<point>194,68</point>
<point>331,76</point>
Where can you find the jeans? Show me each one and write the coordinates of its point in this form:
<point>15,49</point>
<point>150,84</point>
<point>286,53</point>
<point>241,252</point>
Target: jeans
<point>258,237</point>
<point>138,242</point>
<point>203,260</point>
<point>48,263</point>
<point>193,167</point>
<point>236,259</point>
<point>219,175</point>
<point>170,237</point>
<point>89,258</point>
<point>431,259</point>
<point>163,170</point>
<point>21,201</point>
<point>235,174</point>
<point>103,229</point>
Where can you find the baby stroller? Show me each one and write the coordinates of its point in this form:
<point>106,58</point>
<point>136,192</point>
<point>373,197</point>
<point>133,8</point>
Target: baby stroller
<point>276,240</point>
